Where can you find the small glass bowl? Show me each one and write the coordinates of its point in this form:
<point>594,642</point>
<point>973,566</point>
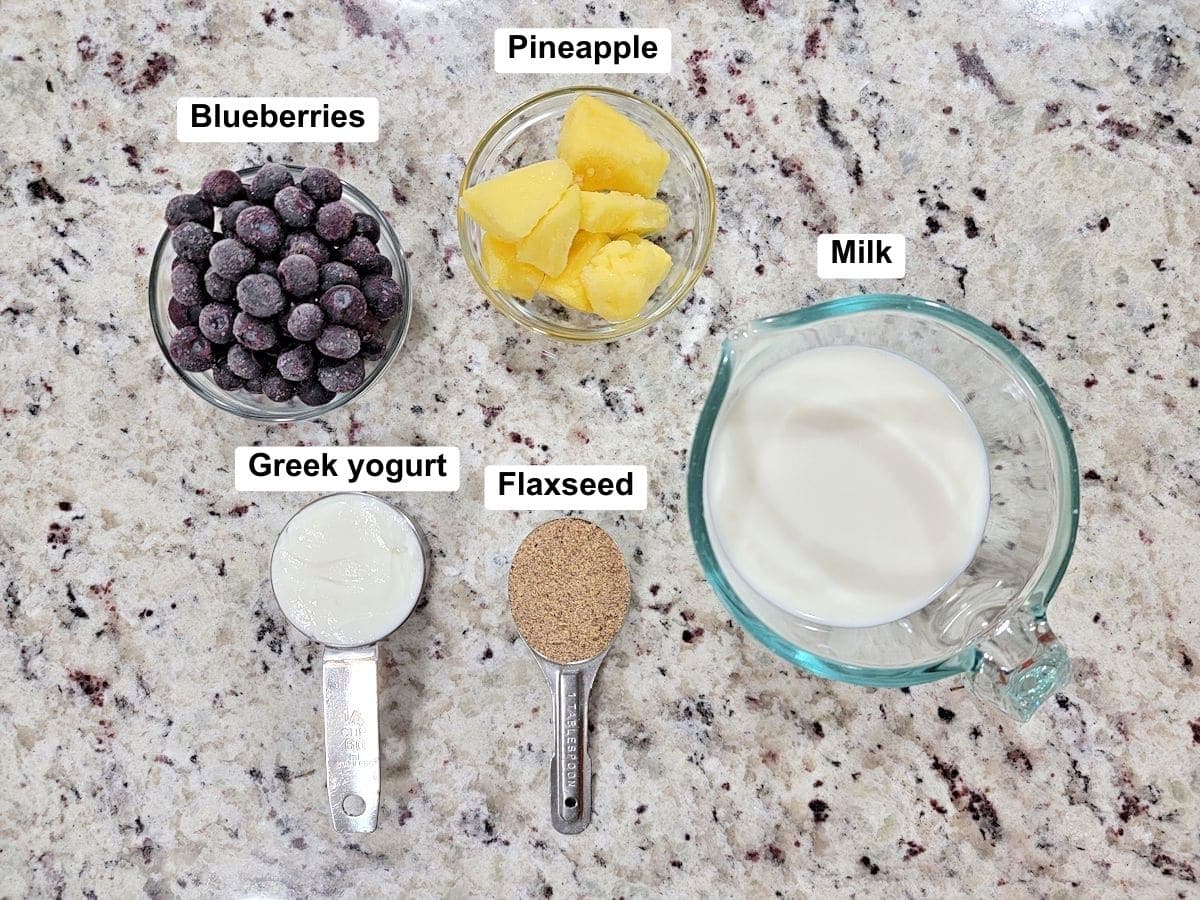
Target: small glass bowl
<point>529,134</point>
<point>258,406</point>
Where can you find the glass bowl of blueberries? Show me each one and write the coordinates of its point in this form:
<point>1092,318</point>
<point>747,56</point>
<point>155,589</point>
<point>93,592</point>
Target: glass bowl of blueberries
<point>278,293</point>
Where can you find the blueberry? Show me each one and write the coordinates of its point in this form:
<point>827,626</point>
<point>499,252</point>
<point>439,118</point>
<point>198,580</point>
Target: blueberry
<point>367,225</point>
<point>335,221</point>
<point>305,322</point>
<point>295,207</point>
<point>313,393</point>
<point>335,273</point>
<point>297,364</point>
<point>179,313</point>
<point>260,229</point>
<point>253,385</point>
<point>192,241</point>
<point>260,295</point>
<point>339,342</point>
<point>267,267</point>
<point>358,252</point>
<point>229,216</point>
<point>370,326</point>
<point>222,187</point>
<point>373,347</point>
<point>278,388</point>
<point>231,259</point>
<point>342,378</point>
<point>321,184</point>
<point>344,304</point>
<point>219,287</point>
<point>253,333</point>
<point>191,350</point>
<point>185,283</point>
<point>377,265</point>
<point>384,297</point>
<point>269,181</point>
<point>243,363</point>
<point>189,208</point>
<point>216,322</point>
<point>307,244</point>
<point>299,275</point>
<point>225,378</point>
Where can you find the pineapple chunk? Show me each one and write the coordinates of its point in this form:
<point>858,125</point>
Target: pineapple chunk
<point>507,273</point>
<point>510,205</point>
<point>618,213</point>
<point>620,278</point>
<point>607,151</point>
<point>566,288</point>
<point>549,243</point>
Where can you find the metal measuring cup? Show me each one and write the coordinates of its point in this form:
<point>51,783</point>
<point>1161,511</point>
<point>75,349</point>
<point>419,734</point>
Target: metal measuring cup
<point>350,689</point>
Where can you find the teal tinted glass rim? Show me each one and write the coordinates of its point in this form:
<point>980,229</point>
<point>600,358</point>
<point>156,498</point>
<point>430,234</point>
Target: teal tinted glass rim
<point>1066,473</point>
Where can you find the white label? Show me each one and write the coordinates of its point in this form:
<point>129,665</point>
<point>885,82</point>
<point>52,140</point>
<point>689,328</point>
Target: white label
<point>860,256</point>
<point>284,119</point>
<point>564,487</point>
<point>576,51</point>
<point>346,468</point>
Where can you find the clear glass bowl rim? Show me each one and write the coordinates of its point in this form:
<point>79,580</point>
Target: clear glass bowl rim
<point>1059,434</point>
<point>615,330</point>
<point>215,396</point>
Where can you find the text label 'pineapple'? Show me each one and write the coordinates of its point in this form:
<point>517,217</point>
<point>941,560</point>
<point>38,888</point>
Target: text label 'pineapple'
<point>583,50</point>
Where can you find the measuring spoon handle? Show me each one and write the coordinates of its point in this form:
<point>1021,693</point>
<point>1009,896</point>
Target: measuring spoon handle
<point>571,770</point>
<point>350,686</point>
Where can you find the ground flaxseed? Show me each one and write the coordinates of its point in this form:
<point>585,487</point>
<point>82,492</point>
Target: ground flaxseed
<point>568,590</point>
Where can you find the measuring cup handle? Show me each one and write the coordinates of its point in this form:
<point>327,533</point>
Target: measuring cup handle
<point>350,687</point>
<point>1020,665</point>
<point>571,769</point>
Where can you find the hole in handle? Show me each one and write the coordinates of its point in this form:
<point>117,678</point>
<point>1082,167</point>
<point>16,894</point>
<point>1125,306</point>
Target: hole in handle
<point>569,803</point>
<point>353,805</point>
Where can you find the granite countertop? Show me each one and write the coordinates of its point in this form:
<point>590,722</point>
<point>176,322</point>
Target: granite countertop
<point>161,724</point>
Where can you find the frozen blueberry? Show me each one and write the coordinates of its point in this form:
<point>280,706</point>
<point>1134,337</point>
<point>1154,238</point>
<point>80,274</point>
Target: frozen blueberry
<point>321,184</point>
<point>216,322</point>
<point>253,333</point>
<point>231,259</point>
<point>225,378</point>
<point>305,322</point>
<point>191,350</point>
<point>217,286</point>
<point>260,295</point>
<point>384,297</point>
<point>192,241</point>
<point>189,208</point>
<point>269,181</point>
<point>344,304</point>
<point>267,267</point>
<point>369,326</point>
<point>278,388</point>
<point>299,275</point>
<point>367,225</point>
<point>307,244</point>
<point>358,252</point>
<point>335,273</point>
<point>295,207</point>
<point>221,187</point>
<point>243,363</point>
<point>373,347</point>
<point>377,265</point>
<point>185,283</point>
<point>229,216</point>
<point>335,221</point>
<point>313,393</point>
<point>342,378</point>
<point>339,342</point>
<point>179,313</point>
<point>297,364</point>
<point>259,229</point>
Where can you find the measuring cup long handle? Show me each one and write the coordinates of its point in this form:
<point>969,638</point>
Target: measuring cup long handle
<point>350,687</point>
<point>571,770</point>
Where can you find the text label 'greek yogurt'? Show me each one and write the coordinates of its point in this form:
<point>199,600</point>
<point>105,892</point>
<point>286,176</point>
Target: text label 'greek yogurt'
<point>860,256</point>
<point>253,119</point>
<point>576,51</point>
<point>564,487</point>
<point>340,468</point>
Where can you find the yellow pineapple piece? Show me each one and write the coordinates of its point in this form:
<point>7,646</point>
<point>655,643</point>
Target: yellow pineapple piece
<point>566,288</point>
<point>507,273</point>
<point>607,151</point>
<point>510,205</point>
<point>621,277</point>
<point>549,243</point>
<point>617,213</point>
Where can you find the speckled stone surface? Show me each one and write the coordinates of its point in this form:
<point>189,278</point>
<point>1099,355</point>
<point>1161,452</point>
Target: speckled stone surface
<point>159,725</point>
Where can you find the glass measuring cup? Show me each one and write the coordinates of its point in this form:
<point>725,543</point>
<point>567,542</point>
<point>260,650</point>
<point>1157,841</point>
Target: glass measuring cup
<point>990,623</point>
